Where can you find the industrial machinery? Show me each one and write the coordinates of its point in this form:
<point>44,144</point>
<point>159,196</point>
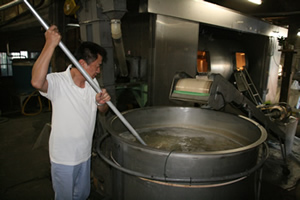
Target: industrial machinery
<point>216,92</point>
<point>182,157</point>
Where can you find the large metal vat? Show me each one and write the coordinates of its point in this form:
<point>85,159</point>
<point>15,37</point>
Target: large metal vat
<point>197,154</point>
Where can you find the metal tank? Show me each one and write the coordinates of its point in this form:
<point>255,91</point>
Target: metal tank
<point>191,153</point>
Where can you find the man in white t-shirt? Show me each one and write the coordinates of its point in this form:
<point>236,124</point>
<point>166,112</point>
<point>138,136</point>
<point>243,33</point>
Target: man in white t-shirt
<point>75,105</point>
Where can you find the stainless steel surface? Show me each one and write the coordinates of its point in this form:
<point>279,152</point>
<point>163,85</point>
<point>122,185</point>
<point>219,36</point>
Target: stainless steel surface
<point>217,161</point>
<point>208,13</point>
<point>86,75</point>
<point>176,44</point>
<point>235,127</point>
<point>221,45</point>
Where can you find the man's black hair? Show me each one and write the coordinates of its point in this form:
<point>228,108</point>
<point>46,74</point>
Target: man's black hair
<point>88,51</point>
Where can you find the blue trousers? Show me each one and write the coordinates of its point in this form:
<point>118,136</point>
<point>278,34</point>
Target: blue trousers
<point>71,182</point>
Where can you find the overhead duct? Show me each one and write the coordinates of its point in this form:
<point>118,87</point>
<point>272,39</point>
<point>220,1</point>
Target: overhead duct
<point>201,11</point>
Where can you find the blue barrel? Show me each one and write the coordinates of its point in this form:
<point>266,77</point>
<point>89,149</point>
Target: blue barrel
<point>22,75</point>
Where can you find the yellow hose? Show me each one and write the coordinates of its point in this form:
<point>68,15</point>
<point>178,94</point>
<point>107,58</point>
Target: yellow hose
<point>26,101</point>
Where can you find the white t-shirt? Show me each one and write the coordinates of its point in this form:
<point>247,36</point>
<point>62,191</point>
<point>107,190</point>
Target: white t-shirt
<point>73,119</point>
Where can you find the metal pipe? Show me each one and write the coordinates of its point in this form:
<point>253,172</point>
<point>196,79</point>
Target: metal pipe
<point>10,4</point>
<point>86,75</point>
<point>7,50</point>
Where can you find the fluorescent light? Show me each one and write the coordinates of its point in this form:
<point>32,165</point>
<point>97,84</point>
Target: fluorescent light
<point>73,25</point>
<point>255,1</point>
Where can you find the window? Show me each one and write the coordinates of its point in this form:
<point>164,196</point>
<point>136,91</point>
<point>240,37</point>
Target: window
<point>202,62</point>
<point>240,61</point>
<point>5,64</point>
<point>6,61</point>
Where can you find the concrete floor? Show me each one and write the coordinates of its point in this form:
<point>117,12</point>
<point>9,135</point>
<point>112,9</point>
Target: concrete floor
<point>25,170</point>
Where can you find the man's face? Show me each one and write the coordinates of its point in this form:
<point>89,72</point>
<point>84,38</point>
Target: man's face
<point>93,69</point>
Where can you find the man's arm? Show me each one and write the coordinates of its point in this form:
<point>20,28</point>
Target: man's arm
<point>101,99</point>
<point>40,67</point>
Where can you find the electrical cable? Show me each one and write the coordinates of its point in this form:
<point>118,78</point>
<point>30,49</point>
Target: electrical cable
<point>165,166</point>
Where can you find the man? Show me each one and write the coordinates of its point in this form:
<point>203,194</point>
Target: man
<point>75,106</point>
